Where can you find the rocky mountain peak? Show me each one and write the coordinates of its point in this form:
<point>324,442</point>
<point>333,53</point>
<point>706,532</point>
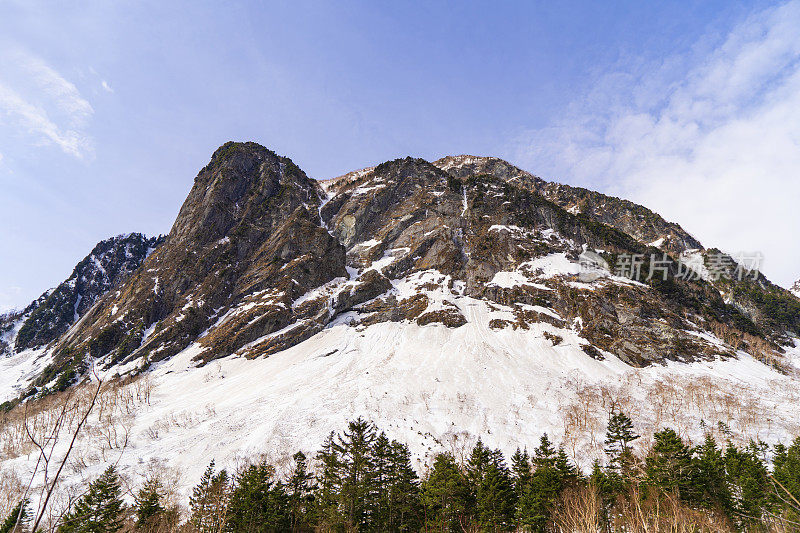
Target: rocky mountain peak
<point>235,188</point>
<point>110,263</point>
<point>796,288</point>
<point>470,165</point>
<point>247,241</point>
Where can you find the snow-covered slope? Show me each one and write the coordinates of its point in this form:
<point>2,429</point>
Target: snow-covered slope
<point>435,387</point>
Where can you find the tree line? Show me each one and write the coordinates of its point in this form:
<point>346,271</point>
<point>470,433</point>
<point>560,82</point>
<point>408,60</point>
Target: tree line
<point>363,481</point>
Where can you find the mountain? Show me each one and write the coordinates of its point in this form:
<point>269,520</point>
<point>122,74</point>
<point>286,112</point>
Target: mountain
<point>48,317</point>
<point>796,288</point>
<point>261,257</point>
<point>447,301</point>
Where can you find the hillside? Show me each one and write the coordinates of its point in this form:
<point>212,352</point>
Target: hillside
<point>446,301</point>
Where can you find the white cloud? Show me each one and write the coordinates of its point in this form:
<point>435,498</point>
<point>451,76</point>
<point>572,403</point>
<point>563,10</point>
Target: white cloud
<point>711,141</point>
<point>104,84</point>
<point>39,102</point>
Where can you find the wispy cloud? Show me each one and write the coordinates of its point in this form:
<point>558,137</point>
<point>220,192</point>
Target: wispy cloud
<point>40,103</point>
<point>711,141</point>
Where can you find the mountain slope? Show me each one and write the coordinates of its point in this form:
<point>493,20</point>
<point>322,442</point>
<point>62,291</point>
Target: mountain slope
<point>48,317</point>
<point>448,302</point>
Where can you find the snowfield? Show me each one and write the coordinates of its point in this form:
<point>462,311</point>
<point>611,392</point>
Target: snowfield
<point>438,389</point>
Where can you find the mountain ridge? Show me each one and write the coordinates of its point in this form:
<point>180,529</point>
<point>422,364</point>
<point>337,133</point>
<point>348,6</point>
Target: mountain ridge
<point>261,257</point>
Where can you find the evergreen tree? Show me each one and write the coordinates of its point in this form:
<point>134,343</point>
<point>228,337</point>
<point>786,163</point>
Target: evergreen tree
<point>477,464</point>
<point>669,464</point>
<point>619,435</point>
<point>17,520</point>
<point>257,503</point>
<point>546,482</point>
<point>301,495</point>
<point>404,497</point>
<point>329,486</point>
<point>491,488</point>
<point>566,469</point>
<point>749,479</point>
<point>357,496</point>
<point>545,454</point>
<point>520,471</point>
<point>552,471</point>
<point>381,451</point>
<point>786,473</point>
<point>208,504</point>
<point>495,498</point>
<point>603,482</point>
<point>100,510</point>
<point>147,503</point>
<point>711,487</point>
<point>445,495</point>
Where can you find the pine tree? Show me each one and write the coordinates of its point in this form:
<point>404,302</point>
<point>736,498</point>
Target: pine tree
<point>545,454</point>
<point>445,495</point>
<point>329,486</point>
<point>208,504</point>
<point>619,435</point>
<point>495,498</point>
<point>300,491</point>
<point>669,464</point>
<point>786,473</point>
<point>491,488</point>
<point>17,520</point>
<point>148,503</point>
<point>546,483</point>
<point>520,471</point>
<point>604,484</point>
<point>100,510</point>
<point>749,479</point>
<point>566,469</point>
<point>381,453</point>
<point>476,466</point>
<point>258,504</point>
<point>404,496</point>
<point>711,487</point>
<point>357,494</point>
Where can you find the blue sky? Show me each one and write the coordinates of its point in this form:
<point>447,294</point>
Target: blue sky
<point>108,110</point>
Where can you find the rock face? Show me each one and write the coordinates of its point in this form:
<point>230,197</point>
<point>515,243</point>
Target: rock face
<point>796,288</point>
<point>261,258</point>
<point>637,221</point>
<point>247,242</point>
<point>109,264</point>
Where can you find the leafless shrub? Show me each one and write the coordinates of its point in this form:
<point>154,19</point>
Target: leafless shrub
<point>578,510</point>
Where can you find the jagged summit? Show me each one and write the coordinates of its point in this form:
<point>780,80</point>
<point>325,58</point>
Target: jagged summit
<point>248,230</point>
<point>48,317</point>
